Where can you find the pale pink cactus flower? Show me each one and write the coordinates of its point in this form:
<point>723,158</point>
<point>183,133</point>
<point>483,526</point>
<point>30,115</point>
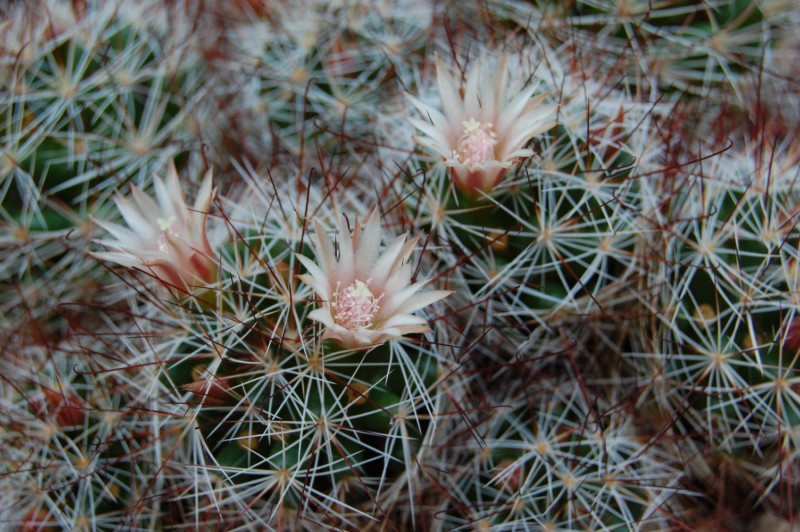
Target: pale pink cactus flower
<point>366,299</point>
<point>481,131</point>
<point>164,237</point>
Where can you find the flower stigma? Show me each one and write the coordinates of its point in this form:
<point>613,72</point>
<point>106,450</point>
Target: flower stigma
<point>164,225</point>
<point>355,306</point>
<point>476,144</point>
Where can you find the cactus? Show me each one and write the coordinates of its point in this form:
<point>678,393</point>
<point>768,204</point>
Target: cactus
<point>560,464</point>
<point>399,265</point>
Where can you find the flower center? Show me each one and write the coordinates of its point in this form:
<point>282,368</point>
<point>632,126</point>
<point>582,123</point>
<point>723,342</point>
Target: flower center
<point>164,225</point>
<point>355,306</point>
<point>477,143</point>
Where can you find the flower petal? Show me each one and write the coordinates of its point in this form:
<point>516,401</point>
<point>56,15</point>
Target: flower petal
<point>318,280</point>
<point>205,195</point>
<point>437,119</point>
<point>421,300</point>
<point>121,233</point>
<point>123,259</point>
<point>326,255</point>
<point>398,251</point>
<point>323,316</point>
<point>346,268</point>
<point>452,105</point>
<point>368,242</point>
<point>141,224</point>
<point>404,320</point>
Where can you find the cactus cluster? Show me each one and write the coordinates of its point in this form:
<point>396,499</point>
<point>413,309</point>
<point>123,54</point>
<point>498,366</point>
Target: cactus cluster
<point>409,265</point>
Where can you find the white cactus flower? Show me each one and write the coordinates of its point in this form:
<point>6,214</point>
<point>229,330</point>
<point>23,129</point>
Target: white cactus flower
<point>481,134</point>
<point>164,236</point>
<point>365,299</point>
